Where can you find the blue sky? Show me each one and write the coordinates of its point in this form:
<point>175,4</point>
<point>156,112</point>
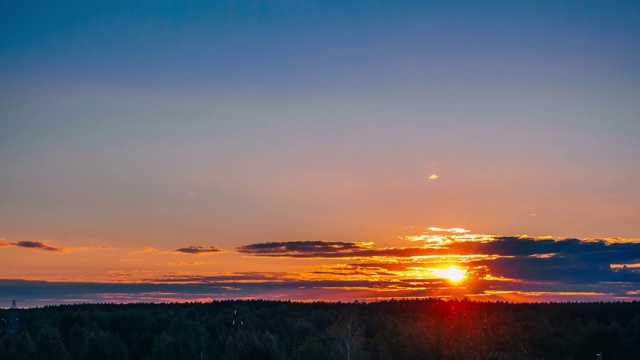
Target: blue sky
<point>231,46</point>
<point>167,125</point>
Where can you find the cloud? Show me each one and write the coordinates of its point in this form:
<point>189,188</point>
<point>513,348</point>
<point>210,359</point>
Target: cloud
<point>32,245</point>
<point>220,278</point>
<point>199,250</point>
<point>146,250</point>
<point>94,247</point>
<point>186,263</point>
<point>344,282</point>
<point>599,251</point>
<point>558,269</point>
<point>513,268</point>
<point>308,249</point>
<point>557,261</point>
<point>36,245</point>
<point>493,262</point>
<point>449,230</point>
<point>46,247</point>
<point>191,277</point>
<point>534,255</point>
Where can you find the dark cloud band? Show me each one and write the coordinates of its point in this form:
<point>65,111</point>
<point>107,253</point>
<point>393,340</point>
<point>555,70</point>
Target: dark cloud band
<point>199,250</point>
<point>306,249</point>
<point>31,245</point>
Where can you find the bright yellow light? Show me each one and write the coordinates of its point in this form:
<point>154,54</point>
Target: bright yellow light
<point>452,273</point>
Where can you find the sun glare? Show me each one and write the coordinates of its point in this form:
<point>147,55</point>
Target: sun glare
<point>451,273</point>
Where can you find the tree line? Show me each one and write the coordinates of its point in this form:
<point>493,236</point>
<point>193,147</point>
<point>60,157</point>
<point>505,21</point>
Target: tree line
<point>259,329</point>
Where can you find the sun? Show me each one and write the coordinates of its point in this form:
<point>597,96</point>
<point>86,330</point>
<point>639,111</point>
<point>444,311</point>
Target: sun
<point>452,273</point>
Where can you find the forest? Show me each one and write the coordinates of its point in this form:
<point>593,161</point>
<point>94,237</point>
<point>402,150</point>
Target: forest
<point>260,329</point>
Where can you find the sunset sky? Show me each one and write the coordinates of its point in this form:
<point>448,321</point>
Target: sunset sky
<point>319,150</point>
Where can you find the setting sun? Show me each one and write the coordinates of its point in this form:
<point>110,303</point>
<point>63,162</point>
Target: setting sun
<point>452,273</point>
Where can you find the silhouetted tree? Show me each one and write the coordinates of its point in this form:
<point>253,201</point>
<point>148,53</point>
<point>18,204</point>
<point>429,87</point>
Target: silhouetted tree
<point>349,336</point>
<point>49,344</point>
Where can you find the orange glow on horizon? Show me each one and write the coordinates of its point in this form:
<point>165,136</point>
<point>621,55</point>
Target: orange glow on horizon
<point>444,263</point>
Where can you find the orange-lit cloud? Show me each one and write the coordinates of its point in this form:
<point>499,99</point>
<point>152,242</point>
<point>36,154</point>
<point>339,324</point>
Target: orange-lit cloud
<point>514,268</point>
<point>147,250</point>
<point>449,230</point>
<point>182,263</point>
<point>84,248</point>
<point>521,261</point>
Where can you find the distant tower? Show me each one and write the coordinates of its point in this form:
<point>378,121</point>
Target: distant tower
<point>14,320</point>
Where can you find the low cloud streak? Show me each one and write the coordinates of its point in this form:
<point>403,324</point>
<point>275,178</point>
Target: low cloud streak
<point>32,245</point>
<point>515,268</point>
<point>199,250</point>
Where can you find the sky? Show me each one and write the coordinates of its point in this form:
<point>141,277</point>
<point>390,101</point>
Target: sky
<point>319,150</point>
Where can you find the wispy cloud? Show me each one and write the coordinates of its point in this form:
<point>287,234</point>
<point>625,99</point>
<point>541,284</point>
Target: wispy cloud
<point>514,268</point>
<point>33,245</point>
<point>185,263</point>
<point>310,249</point>
<point>146,250</point>
<point>199,250</point>
<point>94,247</point>
<point>39,245</point>
<point>449,230</point>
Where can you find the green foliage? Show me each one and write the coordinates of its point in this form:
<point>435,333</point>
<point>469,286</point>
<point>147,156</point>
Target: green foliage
<point>24,348</point>
<point>49,344</point>
<point>184,339</point>
<point>398,329</point>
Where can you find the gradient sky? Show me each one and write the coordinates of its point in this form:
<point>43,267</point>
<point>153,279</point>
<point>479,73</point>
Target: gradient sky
<point>295,149</point>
